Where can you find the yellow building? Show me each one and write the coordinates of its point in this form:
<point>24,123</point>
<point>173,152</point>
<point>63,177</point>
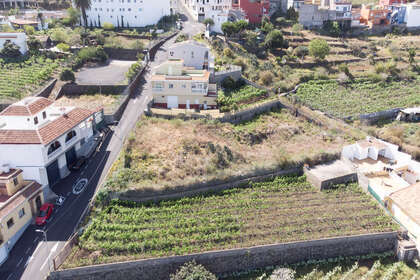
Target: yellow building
<point>19,204</point>
<point>177,86</point>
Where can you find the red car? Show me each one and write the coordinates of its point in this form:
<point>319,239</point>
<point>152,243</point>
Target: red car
<point>44,214</point>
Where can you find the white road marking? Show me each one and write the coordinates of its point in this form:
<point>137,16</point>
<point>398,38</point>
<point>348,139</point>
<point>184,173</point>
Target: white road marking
<point>20,261</point>
<point>28,261</point>
<point>27,250</point>
<point>36,239</point>
<point>9,276</point>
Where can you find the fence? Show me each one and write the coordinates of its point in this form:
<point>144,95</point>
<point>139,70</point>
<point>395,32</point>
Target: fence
<point>231,261</point>
<point>233,71</point>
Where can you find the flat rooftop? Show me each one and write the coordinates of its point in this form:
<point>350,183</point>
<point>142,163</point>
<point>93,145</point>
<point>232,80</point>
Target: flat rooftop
<point>332,170</point>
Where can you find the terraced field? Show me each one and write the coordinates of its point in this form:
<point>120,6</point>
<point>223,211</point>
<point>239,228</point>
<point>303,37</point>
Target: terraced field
<point>284,209</point>
<point>21,78</point>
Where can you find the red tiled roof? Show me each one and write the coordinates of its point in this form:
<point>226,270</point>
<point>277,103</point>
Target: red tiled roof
<point>33,188</point>
<point>27,110</point>
<point>47,133</point>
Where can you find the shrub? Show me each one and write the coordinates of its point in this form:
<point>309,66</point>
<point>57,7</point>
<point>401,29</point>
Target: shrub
<point>274,39</point>
<point>228,83</point>
<point>228,52</point>
<point>29,30</point>
<point>228,28</point>
<point>297,27</point>
<point>60,35</point>
<point>137,45</point>
<point>321,74</point>
<point>67,75</point>
<point>411,55</point>
<point>63,47</point>
<point>10,50</point>
<point>208,21</point>
<point>266,78</point>
<point>240,62</point>
<point>345,69</point>
<point>193,271</point>
<point>94,54</point>
<point>319,48</point>
<point>34,45</point>
<point>301,51</point>
<point>182,37</point>
<point>108,26</point>
<point>281,21</point>
<point>292,14</point>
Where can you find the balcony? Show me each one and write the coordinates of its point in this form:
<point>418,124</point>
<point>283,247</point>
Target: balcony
<point>71,141</point>
<point>199,90</point>
<point>157,89</point>
<point>55,152</point>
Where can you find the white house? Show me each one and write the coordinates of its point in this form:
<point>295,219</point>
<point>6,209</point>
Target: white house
<point>127,13</point>
<point>370,148</point>
<point>17,38</point>
<point>412,15</point>
<point>193,54</point>
<point>43,139</point>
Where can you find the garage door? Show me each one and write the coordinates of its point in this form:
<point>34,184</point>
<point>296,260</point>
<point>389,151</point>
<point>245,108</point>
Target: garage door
<point>172,101</point>
<point>53,173</point>
<point>71,156</point>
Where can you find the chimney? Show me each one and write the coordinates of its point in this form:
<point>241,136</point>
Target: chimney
<point>5,168</point>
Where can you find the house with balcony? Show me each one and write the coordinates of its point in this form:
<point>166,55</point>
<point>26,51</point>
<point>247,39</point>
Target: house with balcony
<point>176,86</point>
<point>193,53</point>
<point>20,201</point>
<point>371,15</point>
<point>42,139</point>
<point>314,13</point>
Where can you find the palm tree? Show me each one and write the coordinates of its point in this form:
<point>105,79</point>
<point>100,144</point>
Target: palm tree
<point>83,5</point>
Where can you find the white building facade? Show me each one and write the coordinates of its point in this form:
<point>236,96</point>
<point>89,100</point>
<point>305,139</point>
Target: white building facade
<point>412,15</point>
<point>42,139</point>
<point>193,54</point>
<point>16,38</point>
<point>127,13</point>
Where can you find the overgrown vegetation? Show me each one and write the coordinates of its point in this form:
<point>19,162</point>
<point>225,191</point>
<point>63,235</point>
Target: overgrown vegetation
<point>236,95</point>
<point>238,217</point>
<point>162,153</point>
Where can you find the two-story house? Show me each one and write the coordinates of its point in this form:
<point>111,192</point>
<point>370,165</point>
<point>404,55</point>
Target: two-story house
<point>193,53</point>
<point>127,13</point>
<point>20,201</point>
<point>254,10</point>
<point>177,86</point>
<point>43,139</point>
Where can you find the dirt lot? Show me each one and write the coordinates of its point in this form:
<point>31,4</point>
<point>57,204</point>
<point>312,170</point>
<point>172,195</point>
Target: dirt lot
<point>109,102</point>
<point>161,154</point>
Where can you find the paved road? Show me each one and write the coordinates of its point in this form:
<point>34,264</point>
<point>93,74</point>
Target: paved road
<point>31,258</point>
<point>110,74</point>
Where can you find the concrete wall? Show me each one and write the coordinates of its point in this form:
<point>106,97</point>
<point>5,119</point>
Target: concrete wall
<point>75,89</point>
<point>248,114</point>
<point>46,91</point>
<point>230,261</point>
<point>377,116</point>
<point>235,72</point>
<point>122,54</point>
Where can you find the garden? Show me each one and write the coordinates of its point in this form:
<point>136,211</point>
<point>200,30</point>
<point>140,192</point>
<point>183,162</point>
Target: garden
<point>240,217</point>
<point>163,154</point>
<point>360,96</point>
<point>24,76</point>
<point>236,95</point>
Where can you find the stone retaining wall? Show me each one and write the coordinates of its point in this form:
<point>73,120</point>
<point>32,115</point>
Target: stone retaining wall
<point>230,261</point>
<point>46,91</point>
<point>122,54</point>
<point>381,115</point>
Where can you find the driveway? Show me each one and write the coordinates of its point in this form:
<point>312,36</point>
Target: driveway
<point>111,74</point>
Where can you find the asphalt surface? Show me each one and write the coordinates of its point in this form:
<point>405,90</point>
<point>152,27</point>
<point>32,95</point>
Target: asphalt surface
<point>31,257</point>
<point>111,74</point>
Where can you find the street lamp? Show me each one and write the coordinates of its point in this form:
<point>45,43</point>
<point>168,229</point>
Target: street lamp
<point>46,246</point>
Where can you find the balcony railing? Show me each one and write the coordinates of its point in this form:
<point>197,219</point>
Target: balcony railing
<point>71,141</point>
<point>157,89</point>
<point>55,152</point>
<point>198,90</point>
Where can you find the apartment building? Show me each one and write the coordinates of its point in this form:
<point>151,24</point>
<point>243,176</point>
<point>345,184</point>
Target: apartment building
<point>217,10</point>
<point>127,13</point>
<point>176,86</point>
<point>17,38</point>
<point>254,10</point>
<point>20,201</point>
<point>193,54</point>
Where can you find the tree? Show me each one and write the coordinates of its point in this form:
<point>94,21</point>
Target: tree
<point>228,28</point>
<point>318,48</point>
<point>266,26</point>
<point>40,16</point>
<point>241,25</point>
<point>63,47</point>
<point>193,271</point>
<point>274,40</point>
<point>34,45</point>
<point>29,30</point>
<point>10,50</point>
<point>73,16</point>
<point>83,5</point>
<point>292,14</point>
<point>208,21</point>
<point>67,75</point>
<point>108,26</point>
<point>411,56</point>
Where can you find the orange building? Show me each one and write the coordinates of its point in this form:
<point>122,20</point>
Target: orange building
<point>373,15</point>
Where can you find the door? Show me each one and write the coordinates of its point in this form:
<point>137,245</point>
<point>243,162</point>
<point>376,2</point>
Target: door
<point>71,156</point>
<point>172,101</point>
<point>188,104</point>
<point>53,173</point>
<point>38,203</point>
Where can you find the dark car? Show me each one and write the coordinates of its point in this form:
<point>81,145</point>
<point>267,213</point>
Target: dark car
<point>44,214</point>
<point>78,164</point>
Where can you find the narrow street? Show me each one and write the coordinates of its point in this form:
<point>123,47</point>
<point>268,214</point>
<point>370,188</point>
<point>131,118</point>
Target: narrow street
<point>31,258</point>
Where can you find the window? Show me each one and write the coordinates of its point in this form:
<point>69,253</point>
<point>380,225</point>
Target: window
<point>111,16</point>
<point>171,53</point>
<point>10,223</point>
<point>36,120</point>
<point>135,16</point>
<point>192,54</point>
<point>171,85</point>
<point>96,9</point>
<point>54,146</point>
<point>21,212</point>
<point>70,135</point>
<point>129,9</point>
<point>15,181</point>
<point>184,86</point>
<point>100,9</point>
<point>44,115</point>
<point>140,9</point>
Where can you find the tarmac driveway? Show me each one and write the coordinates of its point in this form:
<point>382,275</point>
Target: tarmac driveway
<point>110,74</point>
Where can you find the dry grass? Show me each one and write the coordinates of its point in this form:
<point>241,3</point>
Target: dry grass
<point>92,101</point>
<point>164,153</point>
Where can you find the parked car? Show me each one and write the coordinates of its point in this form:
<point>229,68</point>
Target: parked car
<point>78,164</point>
<point>44,214</point>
